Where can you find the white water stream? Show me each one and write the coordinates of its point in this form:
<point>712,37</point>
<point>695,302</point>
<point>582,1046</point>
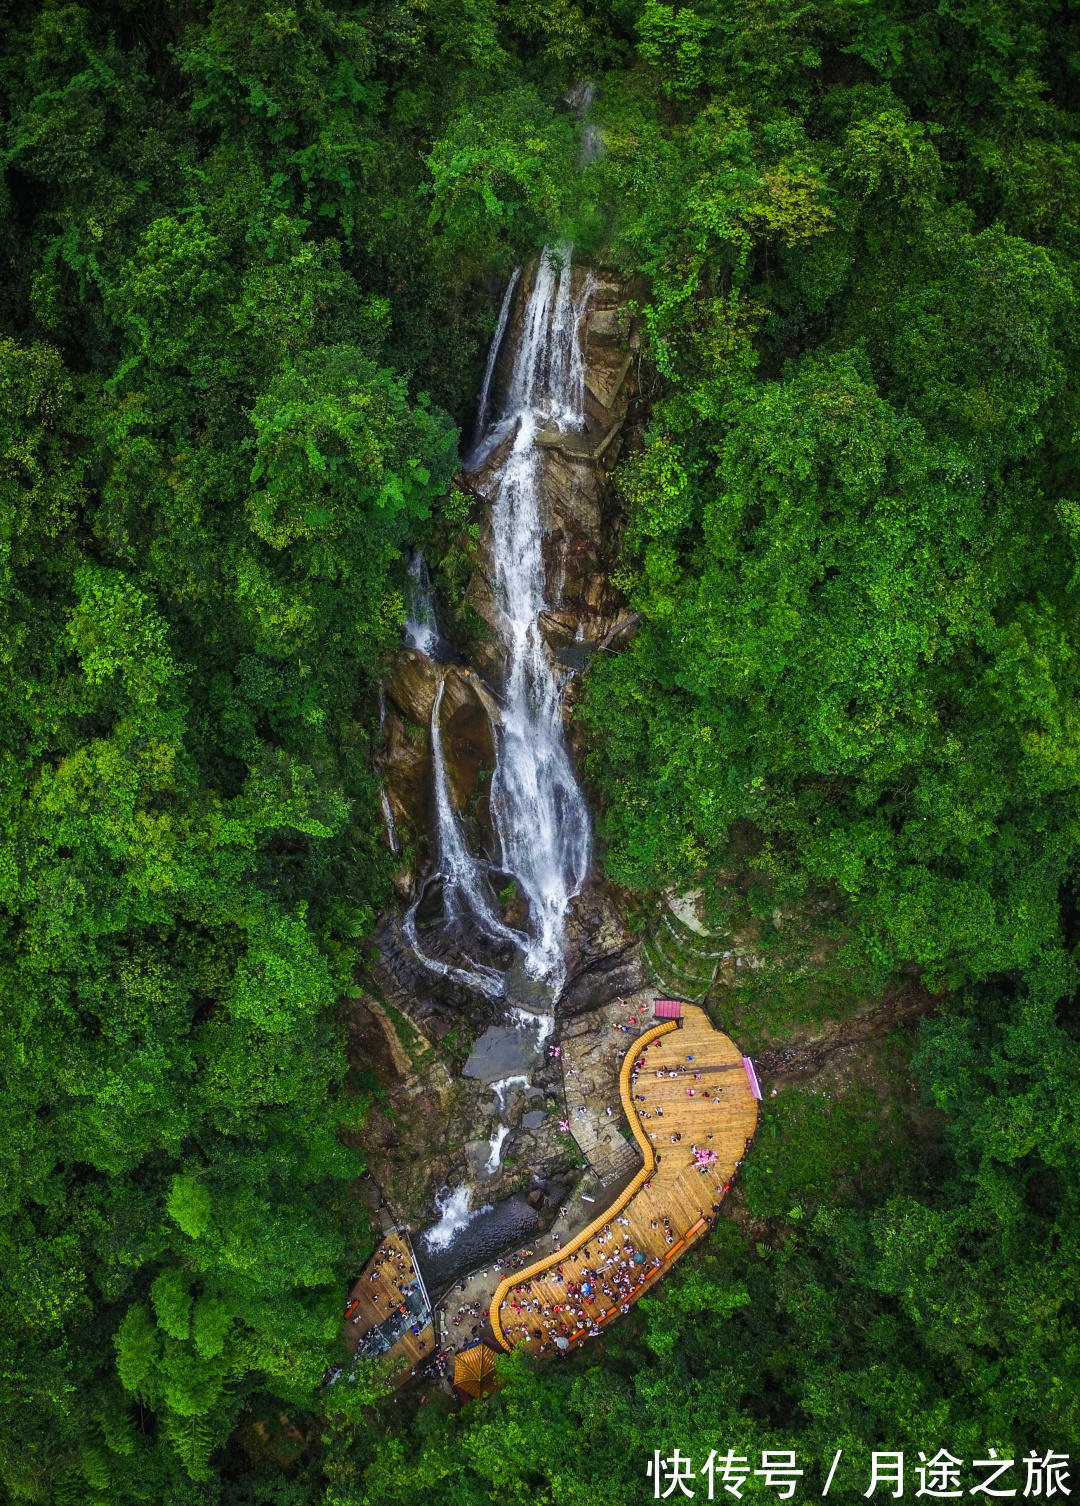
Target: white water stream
<point>537,807</point>
<point>493,356</point>
<point>455,1213</point>
<point>464,888</point>
<point>504,1084</point>
<point>392,838</point>
<point>543,1024</point>
<point>421,625</point>
<point>491,1165</point>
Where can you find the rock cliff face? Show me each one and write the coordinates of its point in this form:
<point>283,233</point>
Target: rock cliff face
<point>466,719</point>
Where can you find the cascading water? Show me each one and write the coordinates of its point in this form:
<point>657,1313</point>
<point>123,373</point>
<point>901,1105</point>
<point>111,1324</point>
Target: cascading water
<point>455,1212</point>
<point>464,888</point>
<point>491,1165</point>
<point>421,624</point>
<point>543,1024</point>
<point>504,1084</point>
<point>493,356</point>
<point>392,838</point>
<point>537,807</point>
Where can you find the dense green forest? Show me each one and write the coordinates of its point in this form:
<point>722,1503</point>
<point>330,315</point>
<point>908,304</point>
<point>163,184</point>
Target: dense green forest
<point>249,260</point>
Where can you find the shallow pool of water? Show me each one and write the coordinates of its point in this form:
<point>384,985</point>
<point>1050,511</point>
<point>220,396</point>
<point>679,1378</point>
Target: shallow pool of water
<point>485,1236</point>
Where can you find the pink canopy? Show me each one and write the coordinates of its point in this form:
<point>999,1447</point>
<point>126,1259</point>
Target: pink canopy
<point>751,1077</point>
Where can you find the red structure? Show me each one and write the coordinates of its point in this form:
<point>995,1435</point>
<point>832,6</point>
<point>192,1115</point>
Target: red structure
<point>667,1009</point>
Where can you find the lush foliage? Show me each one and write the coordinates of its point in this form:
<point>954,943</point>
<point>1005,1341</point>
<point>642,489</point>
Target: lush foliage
<point>213,452</point>
<point>238,327</point>
<point>851,530</point>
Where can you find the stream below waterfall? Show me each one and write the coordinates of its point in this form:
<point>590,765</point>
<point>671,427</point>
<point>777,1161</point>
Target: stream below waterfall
<point>463,1239</point>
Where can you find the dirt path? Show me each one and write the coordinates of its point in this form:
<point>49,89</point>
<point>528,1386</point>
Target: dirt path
<point>805,1053</point>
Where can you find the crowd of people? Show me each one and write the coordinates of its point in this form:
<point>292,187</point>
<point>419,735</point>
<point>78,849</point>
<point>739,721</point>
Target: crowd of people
<point>597,1285</point>
<point>395,1272</point>
<point>701,1158</point>
<point>575,1293</point>
<point>592,1292</point>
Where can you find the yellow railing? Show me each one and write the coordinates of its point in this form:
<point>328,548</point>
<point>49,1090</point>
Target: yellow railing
<point>507,1284</point>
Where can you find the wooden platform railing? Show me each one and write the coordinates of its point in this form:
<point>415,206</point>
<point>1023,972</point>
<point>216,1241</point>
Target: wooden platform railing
<point>507,1284</point>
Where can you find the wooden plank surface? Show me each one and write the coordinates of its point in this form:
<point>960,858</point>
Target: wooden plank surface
<point>698,1099</point>
<point>377,1295</point>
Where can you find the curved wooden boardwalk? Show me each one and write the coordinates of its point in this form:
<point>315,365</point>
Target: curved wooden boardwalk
<point>702,1097</point>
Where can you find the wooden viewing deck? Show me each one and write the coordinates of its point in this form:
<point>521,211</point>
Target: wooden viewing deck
<point>378,1296</point>
<point>666,1207</point>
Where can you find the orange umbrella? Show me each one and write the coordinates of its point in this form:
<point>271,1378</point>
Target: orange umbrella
<point>474,1370</point>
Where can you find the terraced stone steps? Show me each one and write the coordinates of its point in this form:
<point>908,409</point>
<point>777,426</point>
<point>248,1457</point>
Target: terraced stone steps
<point>681,960</point>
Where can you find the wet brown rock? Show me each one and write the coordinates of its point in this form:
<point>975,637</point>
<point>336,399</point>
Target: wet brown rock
<point>412,685</point>
<point>484,644</point>
<point>466,717</point>
<point>605,379</point>
<point>571,491</point>
<point>606,326</point>
<point>604,956</point>
<point>465,720</point>
<point>559,629</point>
<point>405,762</point>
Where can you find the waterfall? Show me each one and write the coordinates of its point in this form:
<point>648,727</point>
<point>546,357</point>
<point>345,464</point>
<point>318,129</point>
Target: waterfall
<point>504,1084</point>
<point>392,837</point>
<point>487,979</point>
<point>384,800</point>
<point>455,1212</point>
<point>464,887</point>
<point>543,1024</point>
<point>537,807</point>
<point>491,1166</point>
<point>421,625</point>
<point>493,356</point>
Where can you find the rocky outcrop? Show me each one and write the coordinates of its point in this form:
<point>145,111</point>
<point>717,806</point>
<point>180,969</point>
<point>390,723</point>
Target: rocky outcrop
<point>605,956</point>
<point>559,629</point>
<point>467,716</point>
<point>466,719</point>
<point>405,768</point>
<point>412,685</point>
